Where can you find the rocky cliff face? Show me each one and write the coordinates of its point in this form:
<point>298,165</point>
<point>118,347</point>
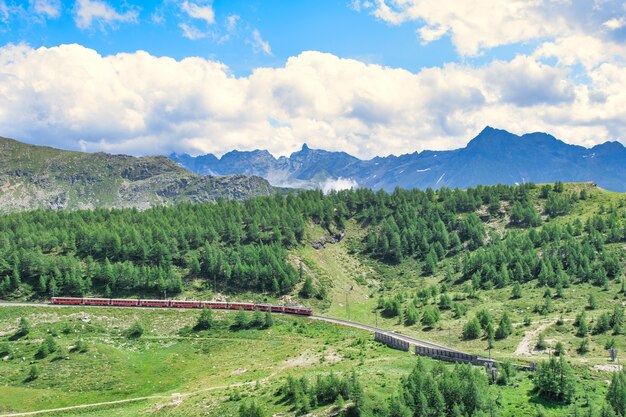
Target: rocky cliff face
<point>36,177</point>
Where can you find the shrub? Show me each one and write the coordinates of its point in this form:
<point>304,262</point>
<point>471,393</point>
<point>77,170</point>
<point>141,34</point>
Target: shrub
<point>592,302</point>
<point>431,316</point>
<point>603,324</point>
<point>135,331</point>
<point>516,292</point>
<point>505,328</point>
<point>559,349</point>
<point>205,320</point>
<point>33,373</point>
<point>241,319</point>
<point>23,329</point>
<point>471,330</point>
<point>251,409</point>
<point>307,290</point>
<point>410,315</point>
<point>541,342</point>
<point>81,346</point>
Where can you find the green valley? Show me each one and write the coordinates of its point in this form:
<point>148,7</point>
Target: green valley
<point>530,274</point>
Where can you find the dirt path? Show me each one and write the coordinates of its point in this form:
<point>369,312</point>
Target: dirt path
<point>527,344</point>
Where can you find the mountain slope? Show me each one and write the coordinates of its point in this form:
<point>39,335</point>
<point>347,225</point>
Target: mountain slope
<point>34,177</point>
<point>494,156</point>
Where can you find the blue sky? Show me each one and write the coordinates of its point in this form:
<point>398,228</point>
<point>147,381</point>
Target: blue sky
<point>289,27</point>
<point>370,77</point>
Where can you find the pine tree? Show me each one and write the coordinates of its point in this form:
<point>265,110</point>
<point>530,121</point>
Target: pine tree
<point>43,285</point>
<point>581,324</point>
<point>257,318</point>
<point>410,315</point>
<point>555,380</point>
<point>241,319</point>
<point>516,292</point>
<point>307,290</point>
<point>592,302</point>
<point>16,279</point>
<point>205,320</point>
<point>471,330</point>
<point>430,263</point>
<point>505,328</point>
<point>23,328</point>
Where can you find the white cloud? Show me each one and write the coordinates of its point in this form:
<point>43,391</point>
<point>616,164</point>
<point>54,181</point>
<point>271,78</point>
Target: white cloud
<point>71,97</point>
<point>4,12</point>
<point>196,11</point>
<point>587,50</point>
<point>48,8</point>
<point>89,11</point>
<point>338,184</point>
<point>615,23</point>
<point>259,44</point>
<point>232,21</point>
<point>192,32</point>
<point>479,25</point>
<point>431,33</point>
<point>358,5</point>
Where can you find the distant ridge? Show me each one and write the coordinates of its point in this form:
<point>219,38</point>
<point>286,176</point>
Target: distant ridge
<point>494,156</point>
<point>40,177</point>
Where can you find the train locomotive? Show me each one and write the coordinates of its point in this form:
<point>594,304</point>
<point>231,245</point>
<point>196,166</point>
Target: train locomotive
<point>215,305</point>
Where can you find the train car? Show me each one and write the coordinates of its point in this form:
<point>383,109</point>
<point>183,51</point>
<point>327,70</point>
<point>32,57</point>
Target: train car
<point>215,305</point>
<point>67,300</point>
<point>270,307</point>
<point>154,303</point>
<point>185,304</point>
<point>97,301</point>
<point>303,311</point>
<point>237,306</point>
<point>124,302</point>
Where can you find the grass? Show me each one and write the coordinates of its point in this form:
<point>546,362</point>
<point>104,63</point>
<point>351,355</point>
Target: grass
<point>162,362</point>
<point>187,374</point>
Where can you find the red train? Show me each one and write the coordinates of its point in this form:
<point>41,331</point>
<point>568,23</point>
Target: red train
<point>217,305</point>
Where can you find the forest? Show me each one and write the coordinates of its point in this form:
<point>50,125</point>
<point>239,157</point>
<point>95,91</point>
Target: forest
<point>465,244</point>
<point>243,246</point>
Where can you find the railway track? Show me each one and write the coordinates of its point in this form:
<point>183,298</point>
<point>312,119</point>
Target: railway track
<point>411,340</point>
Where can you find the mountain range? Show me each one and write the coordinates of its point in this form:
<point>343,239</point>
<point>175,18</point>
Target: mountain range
<point>495,156</point>
<point>39,177</point>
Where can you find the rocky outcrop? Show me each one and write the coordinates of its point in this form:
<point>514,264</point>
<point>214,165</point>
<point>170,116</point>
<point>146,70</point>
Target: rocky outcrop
<point>36,177</point>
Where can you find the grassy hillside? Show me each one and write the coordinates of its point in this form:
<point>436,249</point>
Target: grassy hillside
<point>33,177</point>
<point>172,371</point>
<point>363,281</point>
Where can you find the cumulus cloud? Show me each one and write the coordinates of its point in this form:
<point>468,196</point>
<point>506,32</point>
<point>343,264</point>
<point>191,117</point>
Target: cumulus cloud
<point>338,184</point>
<point>479,25</point>
<point>88,12</point>
<point>197,11</point>
<point>72,97</point>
